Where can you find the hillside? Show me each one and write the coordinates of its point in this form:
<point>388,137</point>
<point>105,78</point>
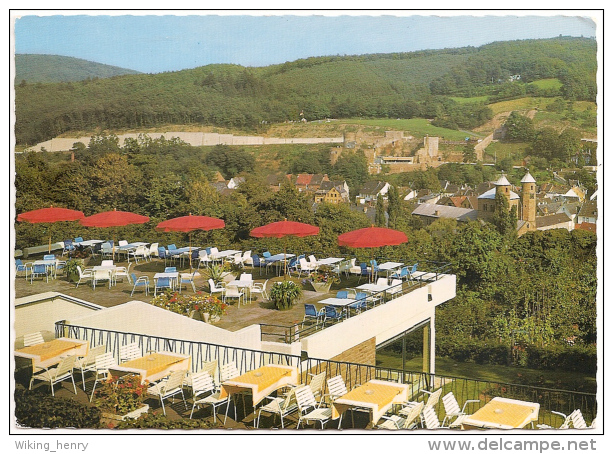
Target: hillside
<point>403,85</point>
<point>34,68</point>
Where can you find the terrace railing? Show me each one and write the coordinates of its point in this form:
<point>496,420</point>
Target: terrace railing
<point>295,332</point>
<point>353,373</point>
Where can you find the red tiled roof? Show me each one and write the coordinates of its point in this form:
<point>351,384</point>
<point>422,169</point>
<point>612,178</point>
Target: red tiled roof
<point>589,226</point>
<point>304,179</point>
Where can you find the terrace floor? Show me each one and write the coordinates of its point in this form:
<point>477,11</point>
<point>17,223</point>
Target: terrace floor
<point>258,312</point>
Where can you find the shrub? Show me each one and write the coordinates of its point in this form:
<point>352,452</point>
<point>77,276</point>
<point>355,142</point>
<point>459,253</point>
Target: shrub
<point>32,409</point>
<point>159,421</point>
<point>284,294</point>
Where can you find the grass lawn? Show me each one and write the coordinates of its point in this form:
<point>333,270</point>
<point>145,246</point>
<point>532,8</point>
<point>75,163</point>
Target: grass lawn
<point>547,83</point>
<point>557,379</point>
<point>501,150</point>
<point>474,99</point>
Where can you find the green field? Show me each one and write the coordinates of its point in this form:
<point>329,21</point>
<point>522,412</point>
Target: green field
<point>557,379</point>
<point>417,127</point>
<point>496,151</point>
<point>547,83</point>
<point>474,99</point>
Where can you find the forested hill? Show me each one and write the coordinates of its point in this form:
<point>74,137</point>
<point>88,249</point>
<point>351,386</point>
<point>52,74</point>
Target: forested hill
<point>36,68</point>
<point>399,85</point>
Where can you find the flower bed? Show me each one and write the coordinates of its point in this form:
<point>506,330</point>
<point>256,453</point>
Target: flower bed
<point>189,304</point>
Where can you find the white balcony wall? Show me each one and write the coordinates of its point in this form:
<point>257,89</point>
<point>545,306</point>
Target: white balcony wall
<point>382,322</point>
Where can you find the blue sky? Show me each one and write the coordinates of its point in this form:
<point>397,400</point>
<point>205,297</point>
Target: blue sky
<point>153,42</point>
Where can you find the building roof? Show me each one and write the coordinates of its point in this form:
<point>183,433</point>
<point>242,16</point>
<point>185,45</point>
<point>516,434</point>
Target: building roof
<point>304,179</point>
<point>552,219</point>
<point>372,187</point>
<point>502,181</point>
<point>589,226</point>
<point>491,194</point>
<point>589,209</point>
<point>444,211</point>
<point>528,178</point>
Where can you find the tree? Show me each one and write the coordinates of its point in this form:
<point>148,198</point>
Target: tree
<point>470,155</point>
<point>502,218</point>
<point>380,212</point>
<point>229,161</point>
<point>519,128</point>
<point>394,207</point>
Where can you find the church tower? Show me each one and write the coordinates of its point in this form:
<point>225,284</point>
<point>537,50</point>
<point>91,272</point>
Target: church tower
<point>528,201</point>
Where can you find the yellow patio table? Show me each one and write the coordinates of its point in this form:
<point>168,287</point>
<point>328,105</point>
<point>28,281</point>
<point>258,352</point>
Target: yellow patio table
<point>52,352</point>
<point>377,396</point>
<point>152,367</point>
<point>503,413</point>
<point>261,382</point>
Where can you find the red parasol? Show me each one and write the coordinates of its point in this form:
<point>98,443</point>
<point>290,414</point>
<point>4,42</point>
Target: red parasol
<point>372,237</point>
<point>113,218</point>
<point>282,229</point>
<point>188,224</point>
<point>50,215</point>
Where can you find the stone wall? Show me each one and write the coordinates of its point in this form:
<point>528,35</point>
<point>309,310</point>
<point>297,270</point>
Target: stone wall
<point>363,353</point>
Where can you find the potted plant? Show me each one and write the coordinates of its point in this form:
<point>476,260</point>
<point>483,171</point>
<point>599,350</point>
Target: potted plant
<point>121,398</point>
<point>226,272</point>
<point>285,294</point>
<point>71,271</point>
<point>322,279</point>
<point>211,309</point>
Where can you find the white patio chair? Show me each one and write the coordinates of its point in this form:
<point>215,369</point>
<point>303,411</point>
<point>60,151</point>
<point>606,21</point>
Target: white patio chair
<point>87,363</point>
<point>121,272</point>
<point>203,258</point>
<point>129,351</point>
<point>318,385</point>
<point>395,422</point>
<point>153,250</point>
<point>565,424</point>
<point>138,253</point>
<point>282,406</point>
<point>85,275</point>
<point>228,371</point>
<point>247,259</point>
<point>233,291</point>
<point>103,275</point>
<point>305,266</point>
<point>395,288</point>
<point>169,387</point>
<point>106,263</point>
<point>54,375</point>
<point>336,387</point>
<point>219,288</point>
<point>452,410</point>
<point>102,365</point>
<point>203,383</point>
<point>430,402</point>
<point>430,419</point>
<point>33,339</point>
<point>577,419</point>
<point>309,409</point>
<point>258,288</point>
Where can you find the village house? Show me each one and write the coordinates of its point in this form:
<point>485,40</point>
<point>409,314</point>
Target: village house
<point>334,192</point>
<point>371,190</point>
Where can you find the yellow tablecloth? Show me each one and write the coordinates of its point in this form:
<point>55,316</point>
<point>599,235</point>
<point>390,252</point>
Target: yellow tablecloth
<point>49,353</point>
<point>152,367</point>
<point>502,413</point>
<point>376,395</point>
<point>261,382</point>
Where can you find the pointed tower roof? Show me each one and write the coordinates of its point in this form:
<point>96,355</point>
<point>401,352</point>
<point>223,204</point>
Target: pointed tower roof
<point>528,178</point>
<point>502,181</point>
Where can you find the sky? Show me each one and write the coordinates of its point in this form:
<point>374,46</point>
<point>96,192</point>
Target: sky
<point>154,41</point>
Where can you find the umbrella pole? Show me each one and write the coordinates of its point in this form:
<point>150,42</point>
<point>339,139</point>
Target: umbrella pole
<point>189,257</point>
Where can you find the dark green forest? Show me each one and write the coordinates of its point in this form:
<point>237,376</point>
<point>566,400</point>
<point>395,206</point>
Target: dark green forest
<point>399,85</point>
